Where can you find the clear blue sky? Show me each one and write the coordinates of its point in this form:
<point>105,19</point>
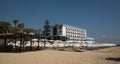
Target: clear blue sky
<point>101,18</point>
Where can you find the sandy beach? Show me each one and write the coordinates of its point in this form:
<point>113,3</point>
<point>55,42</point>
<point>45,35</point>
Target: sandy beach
<point>103,56</point>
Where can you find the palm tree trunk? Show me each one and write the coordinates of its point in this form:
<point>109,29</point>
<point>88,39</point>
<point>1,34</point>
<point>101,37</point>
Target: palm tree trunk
<point>44,43</point>
<point>38,41</point>
<point>44,40</point>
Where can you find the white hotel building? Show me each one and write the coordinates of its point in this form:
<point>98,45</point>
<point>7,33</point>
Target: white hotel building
<point>70,33</point>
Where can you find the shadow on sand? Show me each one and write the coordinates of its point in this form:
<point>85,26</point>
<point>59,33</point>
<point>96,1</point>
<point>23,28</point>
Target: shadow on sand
<point>113,59</point>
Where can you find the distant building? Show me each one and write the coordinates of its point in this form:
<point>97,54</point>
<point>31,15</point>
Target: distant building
<point>89,40</point>
<point>68,33</point>
<point>107,44</point>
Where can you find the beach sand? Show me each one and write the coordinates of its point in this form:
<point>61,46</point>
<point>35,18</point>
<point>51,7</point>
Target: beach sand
<point>103,56</point>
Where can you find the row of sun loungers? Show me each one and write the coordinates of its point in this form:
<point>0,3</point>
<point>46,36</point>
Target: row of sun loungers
<point>60,45</point>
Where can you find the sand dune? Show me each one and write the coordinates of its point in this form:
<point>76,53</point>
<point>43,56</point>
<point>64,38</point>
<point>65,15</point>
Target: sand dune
<point>103,56</point>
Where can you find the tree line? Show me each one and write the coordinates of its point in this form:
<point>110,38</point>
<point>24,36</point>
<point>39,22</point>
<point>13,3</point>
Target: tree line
<point>6,27</point>
<point>17,27</point>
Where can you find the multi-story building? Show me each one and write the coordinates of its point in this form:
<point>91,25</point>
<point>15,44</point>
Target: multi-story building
<point>69,33</point>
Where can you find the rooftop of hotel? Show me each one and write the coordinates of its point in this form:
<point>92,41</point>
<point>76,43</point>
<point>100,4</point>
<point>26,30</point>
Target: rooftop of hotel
<point>66,25</point>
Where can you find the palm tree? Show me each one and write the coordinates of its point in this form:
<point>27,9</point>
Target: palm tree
<point>4,27</point>
<point>46,31</point>
<point>30,30</point>
<point>17,27</point>
<point>58,28</point>
<point>20,27</point>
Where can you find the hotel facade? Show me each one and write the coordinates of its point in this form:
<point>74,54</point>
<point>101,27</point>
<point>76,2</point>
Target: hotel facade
<point>69,33</point>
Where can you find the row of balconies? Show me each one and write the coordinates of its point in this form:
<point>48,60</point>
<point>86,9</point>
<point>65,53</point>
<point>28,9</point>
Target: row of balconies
<point>77,36</point>
<point>75,30</point>
<point>76,33</point>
